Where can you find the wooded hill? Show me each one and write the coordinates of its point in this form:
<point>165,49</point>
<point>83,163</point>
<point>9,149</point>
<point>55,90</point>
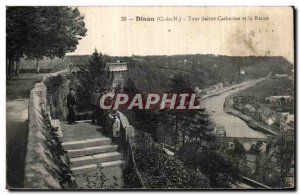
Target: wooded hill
<point>152,73</point>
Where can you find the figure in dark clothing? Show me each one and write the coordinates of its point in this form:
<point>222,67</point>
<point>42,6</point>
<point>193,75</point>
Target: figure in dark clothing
<point>71,103</point>
<point>95,100</point>
<point>102,113</point>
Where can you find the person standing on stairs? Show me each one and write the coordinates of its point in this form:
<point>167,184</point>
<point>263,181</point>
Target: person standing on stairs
<point>71,103</point>
<point>114,126</point>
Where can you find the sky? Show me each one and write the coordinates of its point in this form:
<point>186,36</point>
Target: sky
<point>109,35</point>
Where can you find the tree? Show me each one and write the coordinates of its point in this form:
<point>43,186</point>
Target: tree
<point>17,24</point>
<point>38,32</point>
<point>220,171</point>
<point>91,75</point>
<point>160,170</point>
<point>200,128</point>
<point>188,125</point>
<point>274,168</point>
<point>180,85</point>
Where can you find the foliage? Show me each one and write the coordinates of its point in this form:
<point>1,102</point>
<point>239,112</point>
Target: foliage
<point>42,31</point>
<point>237,155</point>
<point>147,121</point>
<point>256,148</point>
<point>180,84</point>
<point>152,73</point>
<point>58,88</point>
<point>98,180</point>
<point>274,168</point>
<point>272,87</point>
<point>205,70</point>
<point>159,170</point>
<point>220,171</point>
<point>60,167</point>
<point>197,179</point>
<point>131,179</point>
<point>185,125</point>
<point>91,75</point>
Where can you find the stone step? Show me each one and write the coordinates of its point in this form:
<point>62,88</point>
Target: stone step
<point>91,150</point>
<point>84,169</point>
<point>94,159</point>
<point>71,145</point>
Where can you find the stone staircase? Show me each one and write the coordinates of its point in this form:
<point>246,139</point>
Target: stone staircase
<point>86,154</point>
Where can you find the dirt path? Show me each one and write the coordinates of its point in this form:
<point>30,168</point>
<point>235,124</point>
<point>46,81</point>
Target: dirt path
<point>17,97</point>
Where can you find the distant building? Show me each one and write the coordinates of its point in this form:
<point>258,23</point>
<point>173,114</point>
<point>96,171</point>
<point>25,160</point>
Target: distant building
<point>119,70</point>
<point>199,92</point>
<point>280,76</point>
<point>249,109</point>
<point>220,85</point>
<point>287,127</point>
<point>117,66</point>
<point>267,115</point>
<point>290,179</point>
<point>285,117</point>
<point>226,84</point>
<point>213,87</point>
<point>276,99</point>
<point>245,99</point>
<point>238,106</point>
<point>291,175</point>
<point>220,131</point>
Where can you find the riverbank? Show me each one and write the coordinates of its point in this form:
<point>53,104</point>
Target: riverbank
<point>233,87</point>
<point>228,108</point>
<point>233,124</point>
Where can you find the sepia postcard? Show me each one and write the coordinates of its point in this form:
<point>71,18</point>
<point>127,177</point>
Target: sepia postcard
<point>150,98</point>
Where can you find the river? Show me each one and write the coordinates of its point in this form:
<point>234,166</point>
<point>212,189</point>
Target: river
<point>234,126</point>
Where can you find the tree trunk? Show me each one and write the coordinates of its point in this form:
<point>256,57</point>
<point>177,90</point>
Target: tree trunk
<point>18,67</point>
<point>7,68</point>
<point>37,67</point>
<point>183,136</point>
<point>10,67</point>
<point>176,131</point>
<point>14,68</point>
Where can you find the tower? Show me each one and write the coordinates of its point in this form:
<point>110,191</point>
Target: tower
<point>119,72</point>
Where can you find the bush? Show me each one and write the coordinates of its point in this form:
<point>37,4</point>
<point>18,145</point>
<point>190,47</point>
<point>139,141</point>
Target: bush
<point>160,170</point>
<point>220,171</point>
<point>58,88</point>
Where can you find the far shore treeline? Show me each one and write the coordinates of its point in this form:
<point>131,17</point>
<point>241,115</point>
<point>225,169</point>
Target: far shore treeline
<point>151,73</point>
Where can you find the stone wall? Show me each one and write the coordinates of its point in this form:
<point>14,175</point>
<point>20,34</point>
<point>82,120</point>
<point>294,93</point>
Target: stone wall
<point>46,164</point>
<point>38,163</point>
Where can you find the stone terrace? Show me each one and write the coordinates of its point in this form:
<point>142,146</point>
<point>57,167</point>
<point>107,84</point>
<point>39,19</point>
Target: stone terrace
<point>86,147</point>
